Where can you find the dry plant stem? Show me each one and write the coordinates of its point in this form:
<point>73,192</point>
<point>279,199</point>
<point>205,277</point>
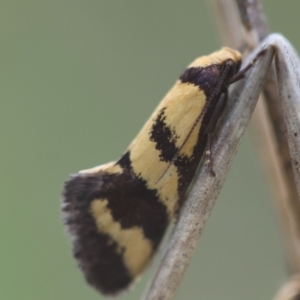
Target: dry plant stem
<point>253,20</point>
<point>277,165</point>
<point>288,76</point>
<point>290,290</point>
<point>269,119</point>
<point>206,188</point>
<point>226,10</point>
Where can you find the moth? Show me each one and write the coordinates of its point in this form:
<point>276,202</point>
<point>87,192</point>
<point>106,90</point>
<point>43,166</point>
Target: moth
<point>117,213</point>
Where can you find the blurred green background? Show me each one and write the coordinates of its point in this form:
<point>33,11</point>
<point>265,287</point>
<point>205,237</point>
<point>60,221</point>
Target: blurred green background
<point>78,80</point>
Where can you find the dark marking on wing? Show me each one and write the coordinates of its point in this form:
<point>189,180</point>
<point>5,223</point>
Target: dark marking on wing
<point>137,205</point>
<point>205,78</point>
<point>95,252</point>
<point>164,138</point>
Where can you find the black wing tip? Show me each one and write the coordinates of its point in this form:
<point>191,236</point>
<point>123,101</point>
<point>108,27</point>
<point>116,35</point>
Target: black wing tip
<point>97,255</point>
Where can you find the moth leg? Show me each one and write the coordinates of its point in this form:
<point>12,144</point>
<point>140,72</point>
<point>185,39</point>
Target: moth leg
<point>210,129</point>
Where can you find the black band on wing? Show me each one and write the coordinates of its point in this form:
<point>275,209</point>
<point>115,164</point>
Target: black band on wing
<point>205,78</point>
<point>164,138</point>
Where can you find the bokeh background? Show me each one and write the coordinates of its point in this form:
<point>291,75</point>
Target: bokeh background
<point>78,80</point>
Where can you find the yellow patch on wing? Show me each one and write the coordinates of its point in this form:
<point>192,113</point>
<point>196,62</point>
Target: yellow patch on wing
<point>137,249</point>
<point>184,103</point>
<point>110,168</point>
<point>216,58</point>
<point>146,163</point>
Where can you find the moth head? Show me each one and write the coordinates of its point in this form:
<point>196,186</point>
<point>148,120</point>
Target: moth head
<point>220,58</point>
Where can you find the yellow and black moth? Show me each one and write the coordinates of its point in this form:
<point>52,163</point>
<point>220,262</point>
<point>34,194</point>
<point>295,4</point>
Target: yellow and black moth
<point>117,213</point>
